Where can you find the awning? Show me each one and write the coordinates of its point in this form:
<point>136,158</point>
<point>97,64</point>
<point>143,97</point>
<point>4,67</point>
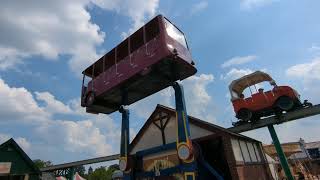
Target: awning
<point>237,86</point>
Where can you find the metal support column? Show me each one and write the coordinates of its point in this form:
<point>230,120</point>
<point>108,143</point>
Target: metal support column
<point>184,142</point>
<point>281,155</point>
<point>71,173</point>
<point>124,144</point>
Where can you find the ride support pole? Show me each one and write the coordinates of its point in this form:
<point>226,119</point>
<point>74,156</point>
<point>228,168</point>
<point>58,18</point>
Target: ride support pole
<point>183,130</point>
<point>281,155</point>
<point>71,173</point>
<point>124,144</point>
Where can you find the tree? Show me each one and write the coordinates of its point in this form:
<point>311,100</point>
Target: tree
<point>102,173</point>
<point>41,164</point>
<point>90,170</point>
<point>81,170</point>
<point>99,174</point>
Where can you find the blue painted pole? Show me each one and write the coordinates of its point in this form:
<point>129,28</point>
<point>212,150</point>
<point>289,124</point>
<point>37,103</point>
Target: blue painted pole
<point>183,129</point>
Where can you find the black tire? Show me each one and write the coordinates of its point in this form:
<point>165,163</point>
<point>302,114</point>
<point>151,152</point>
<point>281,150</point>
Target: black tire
<point>90,99</point>
<point>244,115</point>
<point>285,103</point>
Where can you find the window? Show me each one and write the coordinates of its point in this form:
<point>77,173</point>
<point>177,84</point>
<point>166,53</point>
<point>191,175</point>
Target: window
<point>236,150</point>
<point>245,151</point>
<point>175,33</point>
<point>122,50</point>
<point>136,40</point>
<point>314,153</point>
<point>152,29</point>
<point>252,152</point>
<point>257,152</point>
<point>109,59</point>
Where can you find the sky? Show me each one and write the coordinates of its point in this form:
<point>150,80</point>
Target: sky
<point>45,45</point>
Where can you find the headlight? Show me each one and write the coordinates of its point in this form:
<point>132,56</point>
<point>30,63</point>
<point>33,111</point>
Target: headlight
<point>122,164</point>
<point>184,152</point>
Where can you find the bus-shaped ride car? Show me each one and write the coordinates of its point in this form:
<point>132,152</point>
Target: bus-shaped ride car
<point>149,60</point>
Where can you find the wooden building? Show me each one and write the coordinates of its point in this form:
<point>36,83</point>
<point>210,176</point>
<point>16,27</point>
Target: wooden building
<point>15,163</point>
<point>233,155</point>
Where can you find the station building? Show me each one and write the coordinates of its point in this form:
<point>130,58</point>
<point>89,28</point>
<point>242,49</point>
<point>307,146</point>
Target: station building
<point>233,155</point>
<point>15,163</point>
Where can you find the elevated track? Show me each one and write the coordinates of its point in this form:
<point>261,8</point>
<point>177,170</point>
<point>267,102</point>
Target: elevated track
<point>286,117</point>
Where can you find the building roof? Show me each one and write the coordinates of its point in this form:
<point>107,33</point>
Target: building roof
<point>311,145</point>
<point>24,156</point>
<point>198,122</point>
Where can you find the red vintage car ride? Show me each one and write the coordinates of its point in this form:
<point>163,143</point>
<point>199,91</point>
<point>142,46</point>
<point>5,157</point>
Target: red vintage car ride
<point>261,103</point>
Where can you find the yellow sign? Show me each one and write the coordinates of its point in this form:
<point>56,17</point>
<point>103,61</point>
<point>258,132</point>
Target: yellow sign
<point>5,167</point>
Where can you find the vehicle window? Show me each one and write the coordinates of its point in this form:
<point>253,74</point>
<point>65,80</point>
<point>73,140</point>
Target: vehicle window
<point>136,40</point>
<point>122,50</point>
<point>87,79</point>
<point>175,33</point>
<point>109,59</point>
<point>152,29</point>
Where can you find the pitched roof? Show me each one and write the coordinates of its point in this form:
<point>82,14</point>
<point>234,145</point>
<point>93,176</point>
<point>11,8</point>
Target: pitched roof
<point>198,122</point>
<point>18,149</point>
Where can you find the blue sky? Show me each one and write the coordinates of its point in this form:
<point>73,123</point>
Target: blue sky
<point>44,46</point>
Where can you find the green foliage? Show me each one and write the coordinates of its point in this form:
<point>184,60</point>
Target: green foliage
<point>81,170</point>
<point>102,173</point>
<point>41,164</point>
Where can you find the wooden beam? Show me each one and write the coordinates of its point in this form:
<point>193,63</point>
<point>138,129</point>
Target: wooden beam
<point>79,163</point>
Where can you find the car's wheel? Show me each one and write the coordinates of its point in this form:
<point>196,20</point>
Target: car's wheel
<point>244,115</point>
<point>90,99</point>
<point>285,103</point>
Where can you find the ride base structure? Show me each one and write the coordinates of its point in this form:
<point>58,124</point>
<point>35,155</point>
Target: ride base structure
<point>188,167</point>
<point>169,61</point>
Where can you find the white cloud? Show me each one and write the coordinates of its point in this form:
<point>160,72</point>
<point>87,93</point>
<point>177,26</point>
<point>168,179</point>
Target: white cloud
<point>198,100</point>
<point>238,60</point>
<point>22,142</point>
<point>19,104</point>
<point>250,4</point>
<point>235,73</point>
<point>306,128</point>
<point>138,10</point>
<point>54,28</point>
<point>4,138</point>
<point>52,105</point>
<point>94,135</point>
<point>314,48</point>
<point>199,6</point>
<point>78,137</point>
<point>306,71</point>
<point>197,96</point>
<point>48,29</point>
<point>307,76</point>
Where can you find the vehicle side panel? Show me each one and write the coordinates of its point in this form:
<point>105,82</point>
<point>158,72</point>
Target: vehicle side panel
<point>265,100</point>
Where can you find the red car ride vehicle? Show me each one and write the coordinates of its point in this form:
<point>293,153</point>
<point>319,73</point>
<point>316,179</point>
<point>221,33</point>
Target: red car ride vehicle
<point>262,103</point>
<point>149,60</point>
